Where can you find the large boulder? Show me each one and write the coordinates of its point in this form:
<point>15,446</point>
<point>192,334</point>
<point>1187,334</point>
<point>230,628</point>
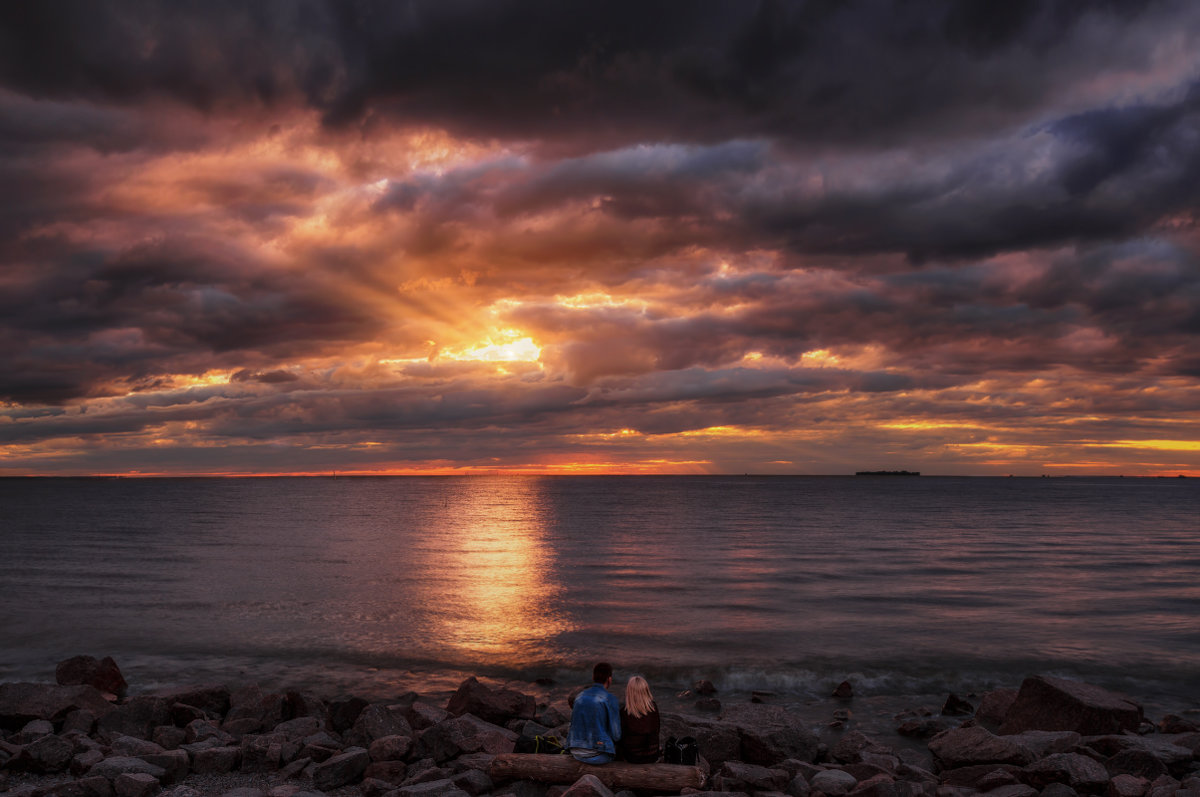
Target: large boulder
<point>104,674</point>
<point>22,702</point>
<point>769,734</point>
<point>137,717</point>
<point>1057,704</point>
<point>976,745</point>
<point>496,706</point>
<point>341,769</point>
<point>460,735</point>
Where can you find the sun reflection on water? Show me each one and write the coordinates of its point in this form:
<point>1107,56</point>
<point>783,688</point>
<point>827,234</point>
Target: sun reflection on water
<point>494,590</point>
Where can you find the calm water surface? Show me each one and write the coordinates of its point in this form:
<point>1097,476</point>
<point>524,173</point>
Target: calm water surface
<point>907,585</point>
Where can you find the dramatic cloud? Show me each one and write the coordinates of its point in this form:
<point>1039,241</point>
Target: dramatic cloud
<point>804,237</point>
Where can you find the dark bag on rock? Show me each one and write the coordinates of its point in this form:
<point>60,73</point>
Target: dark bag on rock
<point>683,751</point>
<point>539,744</point>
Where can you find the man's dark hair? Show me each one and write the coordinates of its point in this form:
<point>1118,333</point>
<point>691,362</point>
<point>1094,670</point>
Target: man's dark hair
<point>601,672</point>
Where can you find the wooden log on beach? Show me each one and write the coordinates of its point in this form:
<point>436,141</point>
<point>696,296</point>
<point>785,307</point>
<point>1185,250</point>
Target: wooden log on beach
<point>618,774</point>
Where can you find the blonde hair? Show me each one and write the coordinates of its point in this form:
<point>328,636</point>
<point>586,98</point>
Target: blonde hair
<point>638,700</point>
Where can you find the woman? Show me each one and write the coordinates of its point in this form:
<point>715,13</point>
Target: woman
<point>639,723</point>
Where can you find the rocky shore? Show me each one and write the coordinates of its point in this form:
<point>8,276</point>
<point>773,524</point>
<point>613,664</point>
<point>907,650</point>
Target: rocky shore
<point>84,737</point>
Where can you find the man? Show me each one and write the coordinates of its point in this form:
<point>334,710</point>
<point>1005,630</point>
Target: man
<point>596,720</point>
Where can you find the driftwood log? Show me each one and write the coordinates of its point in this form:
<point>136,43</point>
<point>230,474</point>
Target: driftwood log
<point>618,774</point>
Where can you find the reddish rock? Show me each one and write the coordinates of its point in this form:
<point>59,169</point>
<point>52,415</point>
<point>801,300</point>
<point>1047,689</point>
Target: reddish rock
<point>769,734</point>
<point>966,746</point>
<point>80,720</point>
<point>473,782</point>
<point>118,765</point>
<point>1128,786</point>
<point>44,755</point>
<point>1077,771</point>
<point>218,760</point>
<point>377,721</point>
<point>974,776</point>
<point>389,771</point>
<point>343,713</point>
<point>994,705</point>
<point>1043,743</point>
<point>169,737</point>
<point>175,763</point>
<point>135,784</point>
<point>212,700</point>
<point>103,674</point>
<point>833,782</point>
<point>390,748</point>
<point>132,746</point>
<point>466,734</point>
<point>1056,704</point>
<point>341,769</point>
<point>704,687</point>
<point>496,706</point>
<point>22,702</point>
<point>263,753</point>
<point>423,715</point>
<point>299,728</point>
<point>84,761</point>
<point>588,786</point>
<point>1135,762</point>
<point>844,691</point>
<point>137,717</point>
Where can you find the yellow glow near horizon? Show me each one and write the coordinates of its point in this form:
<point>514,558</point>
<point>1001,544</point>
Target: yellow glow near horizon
<point>927,425</point>
<point>1156,445</point>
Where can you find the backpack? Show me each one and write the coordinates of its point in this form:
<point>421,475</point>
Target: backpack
<point>683,751</point>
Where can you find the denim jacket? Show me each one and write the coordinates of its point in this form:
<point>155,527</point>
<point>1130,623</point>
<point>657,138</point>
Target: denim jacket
<point>595,720</point>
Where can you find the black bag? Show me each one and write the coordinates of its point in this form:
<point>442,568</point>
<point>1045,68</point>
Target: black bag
<point>539,744</point>
<point>683,751</point>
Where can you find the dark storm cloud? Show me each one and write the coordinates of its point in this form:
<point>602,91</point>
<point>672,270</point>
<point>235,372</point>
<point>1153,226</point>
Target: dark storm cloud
<point>168,305</point>
<point>616,72</point>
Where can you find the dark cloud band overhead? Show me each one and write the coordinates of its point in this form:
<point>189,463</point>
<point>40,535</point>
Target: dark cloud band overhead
<point>748,236</point>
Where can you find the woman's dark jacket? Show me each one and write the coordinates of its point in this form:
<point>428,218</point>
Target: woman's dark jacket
<point>639,736</point>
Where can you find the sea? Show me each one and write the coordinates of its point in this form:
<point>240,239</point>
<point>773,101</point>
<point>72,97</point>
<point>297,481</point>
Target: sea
<point>772,588</point>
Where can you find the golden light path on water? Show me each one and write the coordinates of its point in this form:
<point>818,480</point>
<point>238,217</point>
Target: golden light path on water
<point>492,603</point>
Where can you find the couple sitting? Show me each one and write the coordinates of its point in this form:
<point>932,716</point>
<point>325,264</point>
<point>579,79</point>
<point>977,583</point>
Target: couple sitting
<point>601,728</point>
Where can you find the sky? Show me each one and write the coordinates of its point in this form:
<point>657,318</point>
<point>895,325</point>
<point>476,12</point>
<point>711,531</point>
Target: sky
<point>621,237</point>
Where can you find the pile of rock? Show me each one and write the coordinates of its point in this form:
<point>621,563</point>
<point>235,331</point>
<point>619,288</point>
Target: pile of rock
<point>80,738</point>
